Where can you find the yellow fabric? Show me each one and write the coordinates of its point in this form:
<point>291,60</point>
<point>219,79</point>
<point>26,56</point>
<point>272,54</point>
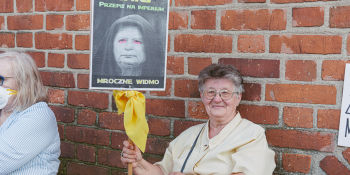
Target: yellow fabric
<point>132,103</point>
<point>241,146</point>
<point>12,92</point>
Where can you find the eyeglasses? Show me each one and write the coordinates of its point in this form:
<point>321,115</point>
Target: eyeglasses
<point>223,93</point>
<point>2,79</point>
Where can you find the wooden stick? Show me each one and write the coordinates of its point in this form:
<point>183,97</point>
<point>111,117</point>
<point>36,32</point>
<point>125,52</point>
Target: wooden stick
<point>129,164</point>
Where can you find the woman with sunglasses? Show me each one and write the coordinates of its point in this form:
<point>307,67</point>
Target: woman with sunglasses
<point>29,138</point>
<point>226,144</point>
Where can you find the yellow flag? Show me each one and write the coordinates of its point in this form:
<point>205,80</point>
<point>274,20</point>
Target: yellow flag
<point>132,103</point>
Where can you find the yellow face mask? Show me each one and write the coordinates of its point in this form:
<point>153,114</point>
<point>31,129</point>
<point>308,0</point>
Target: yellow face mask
<point>5,94</point>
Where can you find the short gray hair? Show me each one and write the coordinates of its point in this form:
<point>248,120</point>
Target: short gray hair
<point>216,71</point>
<point>30,88</point>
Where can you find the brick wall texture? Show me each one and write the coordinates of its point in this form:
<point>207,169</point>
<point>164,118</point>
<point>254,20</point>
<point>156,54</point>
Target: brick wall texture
<point>292,54</point>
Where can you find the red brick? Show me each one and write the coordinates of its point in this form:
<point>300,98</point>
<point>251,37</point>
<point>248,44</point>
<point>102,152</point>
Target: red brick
<point>86,153</point>
<point>166,92</point>
<point>333,70</point>
<point>203,43</point>
<point>86,117</point>
<point>83,5</point>
<point>117,139</point>
<point>25,22</point>
<point>156,145</point>
<point>55,60</point>
<point>308,16</point>
<point>332,166</point>
<point>301,70</point>
<point>339,17</point>
<point>88,99</point>
<point>111,120</point>
<point>24,6</point>
<point>63,114</point>
<point>251,44</point>
<point>328,118</point>
<point>160,127</point>
<point>109,157</point>
<point>319,141</point>
<point>87,135</point>
<point>38,57</point>
<point>56,96</point>
<point>201,2</point>
<point>252,1</point>
<point>83,81</point>
<point>178,20</point>
<point>67,150</point>
<point>347,44</point>
<point>82,42</point>
<point>312,94</point>
<point>170,108</point>
<point>252,92</point>
<point>2,23</point>
<point>54,5</point>
<point>78,61</point>
<point>24,40</point>
<point>195,64</point>
<point>54,22</point>
<point>7,40</point>
<point>61,131</point>
<point>346,154</point>
<point>6,6</point>
<point>298,117</point>
<point>186,88</point>
<point>53,41</point>
<point>306,44</point>
<point>255,67</point>
<point>181,125</point>
<point>262,19</point>
<point>259,114</point>
<point>203,19</point>
<point>58,79</point>
<point>78,22</point>
<point>82,169</point>
<point>295,1</point>
<point>197,110</point>
<point>296,163</point>
<point>175,65</point>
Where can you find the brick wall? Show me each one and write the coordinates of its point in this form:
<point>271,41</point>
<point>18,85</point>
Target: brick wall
<point>292,54</point>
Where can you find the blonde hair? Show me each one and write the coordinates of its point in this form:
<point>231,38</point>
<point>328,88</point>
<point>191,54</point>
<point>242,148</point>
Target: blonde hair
<point>30,88</point>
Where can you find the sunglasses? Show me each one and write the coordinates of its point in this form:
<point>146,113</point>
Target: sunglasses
<point>2,79</point>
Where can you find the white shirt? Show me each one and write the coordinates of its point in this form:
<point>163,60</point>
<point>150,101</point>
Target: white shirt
<point>240,146</point>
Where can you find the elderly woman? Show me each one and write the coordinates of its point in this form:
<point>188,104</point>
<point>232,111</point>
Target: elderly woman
<point>130,48</point>
<point>226,144</point>
<point>29,139</point>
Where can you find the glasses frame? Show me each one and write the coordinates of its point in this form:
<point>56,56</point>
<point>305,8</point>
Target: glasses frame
<point>219,92</point>
<point>2,79</point>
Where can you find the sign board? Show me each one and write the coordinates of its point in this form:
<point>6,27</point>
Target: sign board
<point>129,44</point>
<point>344,125</point>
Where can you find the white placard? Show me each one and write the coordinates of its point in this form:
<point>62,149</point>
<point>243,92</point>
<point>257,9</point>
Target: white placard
<point>344,123</point>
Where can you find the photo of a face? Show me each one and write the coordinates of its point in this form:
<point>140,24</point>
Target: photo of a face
<point>128,49</point>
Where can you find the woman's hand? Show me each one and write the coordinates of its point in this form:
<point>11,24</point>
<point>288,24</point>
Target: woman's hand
<point>130,154</point>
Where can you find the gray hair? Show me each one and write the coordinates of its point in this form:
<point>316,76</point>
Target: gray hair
<point>216,71</point>
<point>30,89</point>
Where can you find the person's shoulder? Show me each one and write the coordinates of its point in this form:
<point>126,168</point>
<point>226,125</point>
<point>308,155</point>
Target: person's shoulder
<point>39,109</point>
<point>250,127</point>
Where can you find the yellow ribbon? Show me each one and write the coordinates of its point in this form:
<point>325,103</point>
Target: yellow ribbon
<point>12,92</point>
<point>132,103</point>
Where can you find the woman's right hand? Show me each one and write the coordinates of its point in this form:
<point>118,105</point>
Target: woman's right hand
<point>130,154</point>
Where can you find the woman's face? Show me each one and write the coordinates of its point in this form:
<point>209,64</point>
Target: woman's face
<point>220,110</point>
<point>128,47</point>
<point>6,71</point>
